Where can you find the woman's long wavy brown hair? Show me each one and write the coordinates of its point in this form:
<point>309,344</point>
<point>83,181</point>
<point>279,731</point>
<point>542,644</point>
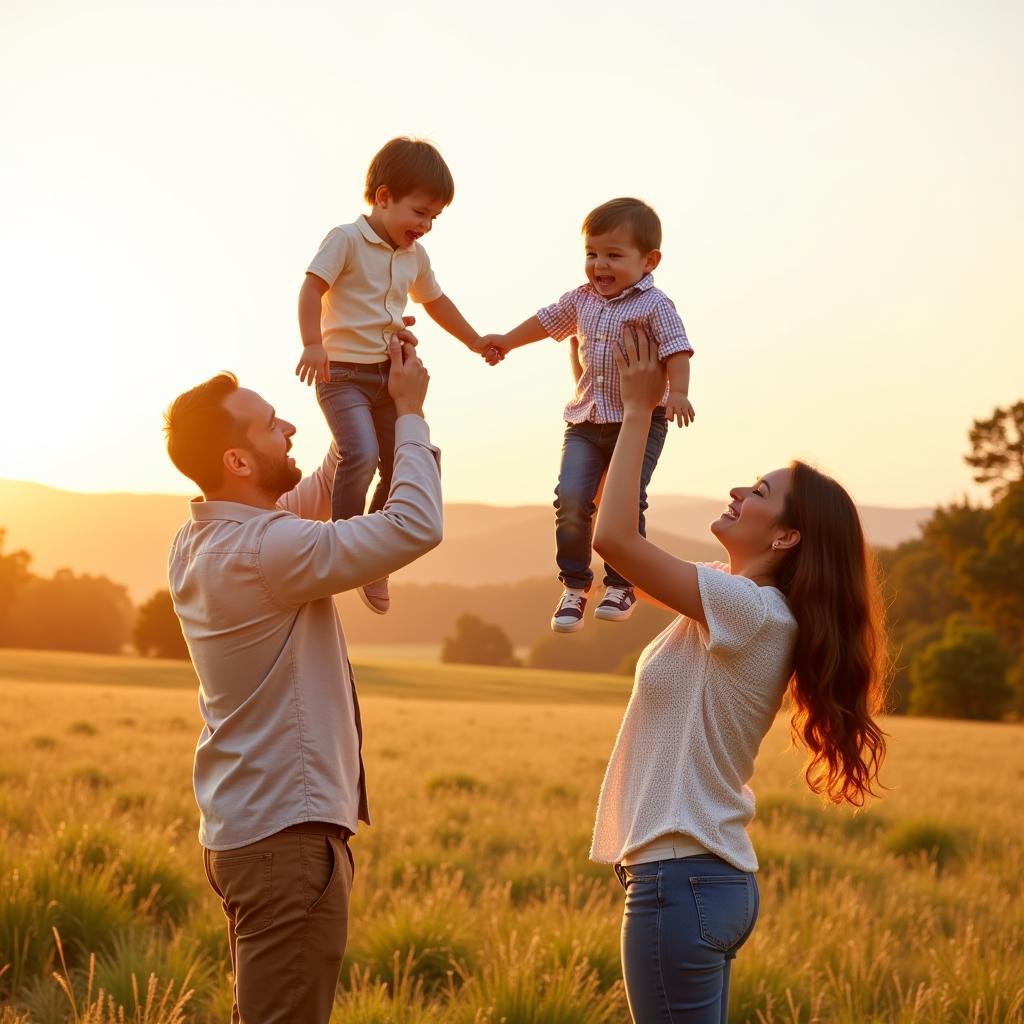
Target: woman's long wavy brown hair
<point>840,663</point>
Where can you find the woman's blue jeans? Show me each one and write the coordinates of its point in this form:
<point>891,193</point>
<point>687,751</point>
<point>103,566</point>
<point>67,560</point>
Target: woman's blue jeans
<point>683,922</point>
<point>360,411</point>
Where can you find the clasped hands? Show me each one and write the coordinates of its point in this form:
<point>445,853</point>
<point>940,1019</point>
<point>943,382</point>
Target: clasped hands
<point>641,373</point>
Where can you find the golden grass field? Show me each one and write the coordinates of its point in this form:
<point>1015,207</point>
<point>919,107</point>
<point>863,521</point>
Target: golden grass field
<point>474,900</point>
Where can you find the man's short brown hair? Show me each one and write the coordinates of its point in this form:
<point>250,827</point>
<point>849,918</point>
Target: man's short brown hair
<point>199,430</point>
<point>410,165</point>
<point>643,223</point>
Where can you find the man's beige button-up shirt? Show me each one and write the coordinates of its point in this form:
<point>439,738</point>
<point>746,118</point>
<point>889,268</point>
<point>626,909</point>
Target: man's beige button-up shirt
<point>254,590</point>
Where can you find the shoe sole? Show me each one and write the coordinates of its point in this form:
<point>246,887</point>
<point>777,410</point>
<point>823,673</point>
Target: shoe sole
<point>613,614</point>
<point>369,604</point>
<point>558,627</point>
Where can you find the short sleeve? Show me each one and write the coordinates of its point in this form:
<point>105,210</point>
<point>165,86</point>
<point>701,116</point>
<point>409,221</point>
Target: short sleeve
<point>332,257</point>
<point>669,332</point>
<point>559,319</point>
<point>425,288</point>
<point>735,607</point>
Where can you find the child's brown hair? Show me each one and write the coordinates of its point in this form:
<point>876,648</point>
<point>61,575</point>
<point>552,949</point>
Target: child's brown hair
<point>643,223</point>
<point>407,165</point>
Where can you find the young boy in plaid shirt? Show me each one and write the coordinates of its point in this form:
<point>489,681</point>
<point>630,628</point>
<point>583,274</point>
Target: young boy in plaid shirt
<point>353,300</point>
<point>622,240</point>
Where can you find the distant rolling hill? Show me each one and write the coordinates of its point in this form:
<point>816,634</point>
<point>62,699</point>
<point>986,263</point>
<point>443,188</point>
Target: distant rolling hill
<point>126,536</point>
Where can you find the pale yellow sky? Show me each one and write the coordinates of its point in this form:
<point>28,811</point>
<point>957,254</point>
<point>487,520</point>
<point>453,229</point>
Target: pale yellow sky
<point>839,187</point>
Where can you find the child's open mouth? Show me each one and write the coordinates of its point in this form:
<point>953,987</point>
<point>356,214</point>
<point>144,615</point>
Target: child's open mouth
<point>604,282</point>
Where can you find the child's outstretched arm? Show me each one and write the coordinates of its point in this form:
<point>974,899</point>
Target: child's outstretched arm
<point>678,406</point>
<point>526,333</point>
<point>314,364</point>
<point>446,314</point>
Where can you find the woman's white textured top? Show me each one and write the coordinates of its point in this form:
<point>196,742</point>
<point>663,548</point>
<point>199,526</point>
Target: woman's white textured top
<point>702,702</point>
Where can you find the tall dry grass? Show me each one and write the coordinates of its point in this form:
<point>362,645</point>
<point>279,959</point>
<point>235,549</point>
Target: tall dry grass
<point>474,900</point>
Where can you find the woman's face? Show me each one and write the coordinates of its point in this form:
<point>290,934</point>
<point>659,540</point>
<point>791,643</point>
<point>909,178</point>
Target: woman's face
<point>748,525</point>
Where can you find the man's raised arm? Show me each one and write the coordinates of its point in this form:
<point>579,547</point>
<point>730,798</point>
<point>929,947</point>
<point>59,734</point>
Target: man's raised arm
<point>303,560</point>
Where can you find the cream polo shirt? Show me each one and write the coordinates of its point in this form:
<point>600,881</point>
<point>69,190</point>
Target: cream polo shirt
<point>253,589</point>
<point>369,284</point>
<point>703,700</point>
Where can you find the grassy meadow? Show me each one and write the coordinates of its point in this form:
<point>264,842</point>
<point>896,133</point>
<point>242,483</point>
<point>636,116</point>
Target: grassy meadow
<point>474,900</point>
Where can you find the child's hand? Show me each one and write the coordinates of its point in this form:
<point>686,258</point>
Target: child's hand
<point>314,365</point>
<point>492,347</point>
<point>678,408</point>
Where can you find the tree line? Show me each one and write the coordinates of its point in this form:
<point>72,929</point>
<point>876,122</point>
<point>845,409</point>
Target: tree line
<point>71,612</point>
<point>955,597</point>
<point>956,593</point>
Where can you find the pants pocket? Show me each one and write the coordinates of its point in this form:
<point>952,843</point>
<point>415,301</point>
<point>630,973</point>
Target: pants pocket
<point>245,882</point>
<point>726,909</point>
<point>320,860</point>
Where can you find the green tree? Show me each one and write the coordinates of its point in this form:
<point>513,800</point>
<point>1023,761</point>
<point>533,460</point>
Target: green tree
<point>157,629</point>
<point>1015,679</point>
<point>14,575</point>
<point>921,586</point>
<point>993,577</point>
<point>997,448</point>
<point>476,642</point>
<point>902,652</point>
<point>963,675</point>
<point>953,531</point>
<point>71,613</point>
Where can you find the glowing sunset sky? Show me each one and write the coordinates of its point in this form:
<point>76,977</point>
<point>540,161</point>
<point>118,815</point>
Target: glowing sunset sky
<point>839,187</point>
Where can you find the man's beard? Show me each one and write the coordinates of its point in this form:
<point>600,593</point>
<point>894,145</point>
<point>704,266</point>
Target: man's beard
<point>276,476</point>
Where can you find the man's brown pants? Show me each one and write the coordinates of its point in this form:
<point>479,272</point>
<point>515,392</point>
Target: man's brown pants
<point>286,900</point>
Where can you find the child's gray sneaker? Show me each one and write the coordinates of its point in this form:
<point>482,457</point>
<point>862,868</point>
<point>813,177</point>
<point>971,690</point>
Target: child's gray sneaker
<point>568,615</point>
<point>617,604</point>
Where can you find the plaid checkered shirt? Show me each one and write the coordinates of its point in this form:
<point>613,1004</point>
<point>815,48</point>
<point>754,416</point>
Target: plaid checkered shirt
<point>598,323</point>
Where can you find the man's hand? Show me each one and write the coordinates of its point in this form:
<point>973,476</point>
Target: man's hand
<point>493,347</point>
<point>407,382</point>
<point>314,365</point>
<point>678,408</point>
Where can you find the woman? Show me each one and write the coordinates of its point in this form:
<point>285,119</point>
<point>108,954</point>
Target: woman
<point>797,607</point>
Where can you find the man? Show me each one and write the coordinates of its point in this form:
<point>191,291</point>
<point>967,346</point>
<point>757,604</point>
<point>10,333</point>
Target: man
<point>278,769</point>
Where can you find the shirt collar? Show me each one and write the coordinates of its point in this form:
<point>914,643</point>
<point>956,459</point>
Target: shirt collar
<point>203,511</point>
<point>368,233</point>
<point>646,283</point>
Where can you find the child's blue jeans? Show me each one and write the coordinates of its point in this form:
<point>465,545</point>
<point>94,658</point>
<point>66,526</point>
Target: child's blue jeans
<point>586,452</point>
<point>361,414</point>
<point>683,922</point>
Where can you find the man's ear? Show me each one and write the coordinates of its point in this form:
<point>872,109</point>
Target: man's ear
<point>237,462</point>
<point>651,261</point>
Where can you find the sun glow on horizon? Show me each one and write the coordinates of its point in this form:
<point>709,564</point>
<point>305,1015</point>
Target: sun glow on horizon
<point>841,234</point>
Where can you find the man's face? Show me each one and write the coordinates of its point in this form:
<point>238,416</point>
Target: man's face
<point>268,441</point>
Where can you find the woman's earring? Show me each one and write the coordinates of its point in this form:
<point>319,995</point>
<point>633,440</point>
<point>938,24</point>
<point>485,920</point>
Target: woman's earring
<point>775,545</point>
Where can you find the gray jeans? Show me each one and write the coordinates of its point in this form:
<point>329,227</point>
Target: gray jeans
<point>361,414</point>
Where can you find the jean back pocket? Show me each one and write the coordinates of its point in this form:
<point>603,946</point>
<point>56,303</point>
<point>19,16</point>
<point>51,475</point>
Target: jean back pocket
<point>726,908</point>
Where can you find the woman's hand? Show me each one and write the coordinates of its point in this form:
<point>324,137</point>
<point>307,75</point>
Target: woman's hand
<point>641,373</point>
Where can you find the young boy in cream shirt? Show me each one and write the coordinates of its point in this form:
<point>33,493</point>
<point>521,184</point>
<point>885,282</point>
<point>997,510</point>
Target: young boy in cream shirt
<point>353,300</point>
